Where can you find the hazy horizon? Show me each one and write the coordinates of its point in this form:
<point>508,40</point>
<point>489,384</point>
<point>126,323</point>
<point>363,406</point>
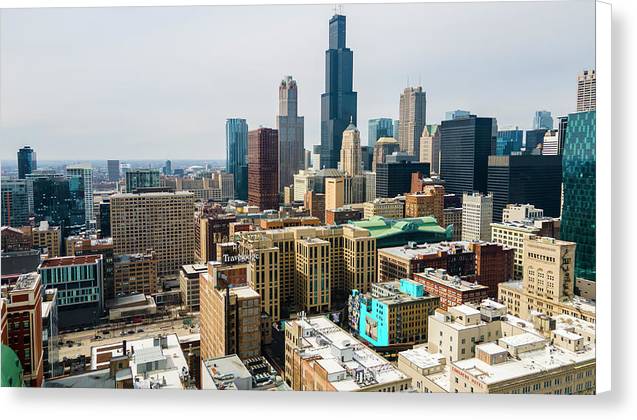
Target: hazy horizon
<point>156,83</point>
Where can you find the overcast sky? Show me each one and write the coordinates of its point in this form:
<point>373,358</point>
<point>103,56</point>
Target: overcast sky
<point>158,83</point>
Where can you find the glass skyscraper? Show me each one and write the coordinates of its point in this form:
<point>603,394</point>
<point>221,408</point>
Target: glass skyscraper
<point>508,141</point>
<point>578,175</point>
<point>543,119</point>
<point>338,103</point>
<point>15,203</point>
<point>142,178</point>
<point>27,162</point>
<point>59,200</point>
<point>237,153</point>
<point>377,128</point>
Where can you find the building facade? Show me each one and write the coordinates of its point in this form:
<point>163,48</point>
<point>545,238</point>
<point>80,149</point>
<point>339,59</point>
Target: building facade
<point>263,168</point>
<point>290,127</point>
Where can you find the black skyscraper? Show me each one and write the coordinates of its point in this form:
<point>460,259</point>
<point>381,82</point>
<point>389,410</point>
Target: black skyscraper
<point>525,179</point>
<point>338,103</point>
<point>394,178</point>
<point>465,146</point>
<point>27,162</point>
<point>533,139</point>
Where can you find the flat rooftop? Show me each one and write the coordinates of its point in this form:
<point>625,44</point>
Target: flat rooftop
<point>424,250</point>
<point>68,261</point>
<point>325,340</point>
<point>422,358</point>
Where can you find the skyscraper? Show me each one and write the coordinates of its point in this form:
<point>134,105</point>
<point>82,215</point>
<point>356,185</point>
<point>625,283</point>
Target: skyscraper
<point>465,146</point>
<point>533,139</point>
<point>543,119</point>
<point>168,168</point>
<point>27,161</point>
<point>338,103</point>
<point>430,147</point>
<point>477,214</point>
<point>85,172</point>
<point>237,153</point>
<point>525,179</point>
<point>263,168</point>
<point>351,151</point>
<point>413,110</point>
<point>508,141</point>
<point>113,170</point>
<point>586,91</point>
<point>161,221</point>
<point>377,128</point>
<point>578,174</point>
<point>142,178</point>
<point>15,202</point>
<point>394,177</point>
<point>291,139</point>
<point>59,200</point>
<point>458,113</point>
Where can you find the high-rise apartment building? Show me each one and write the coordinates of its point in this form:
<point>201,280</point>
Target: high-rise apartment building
<point>586,91</point>
<point>237,154</point>
<point>158,221</point>
<point>430,147</point>
<point>85,172</point>
<point>290,127</point>
<point>465,146</point>
<point>24,325</point>
<point>27,162</point>
<point>533,179</point>
<point>313,277</point>
<point>377,128</point>
<point>413,111</point>
<point>477,215</point>
<point>338,103</point>
<point>230,313</point>
<point>542,119</point>
<point>578,175</point>
<point>15,202</point>
<point>351,162</point>
<point>112,167</point>
<point>139,179</point>
<point>263,164</point>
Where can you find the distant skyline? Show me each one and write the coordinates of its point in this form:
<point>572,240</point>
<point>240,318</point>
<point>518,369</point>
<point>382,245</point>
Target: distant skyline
<point>159,82</point>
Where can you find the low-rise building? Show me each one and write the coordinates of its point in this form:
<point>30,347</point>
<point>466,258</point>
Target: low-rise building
<point>48,239</point>
<point>453,291</point>
<point>320,356</point>
<point>392,313</point>
<point>136,273</point>
<point>389,208</point>
<point>231,373</point>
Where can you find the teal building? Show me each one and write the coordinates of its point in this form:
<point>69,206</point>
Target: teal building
<point>578,174</point>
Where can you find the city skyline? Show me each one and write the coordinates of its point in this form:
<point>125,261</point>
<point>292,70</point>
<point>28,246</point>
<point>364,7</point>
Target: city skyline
<point>188,112</point>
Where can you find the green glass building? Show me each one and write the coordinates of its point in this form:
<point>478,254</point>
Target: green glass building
<point>578,174</point>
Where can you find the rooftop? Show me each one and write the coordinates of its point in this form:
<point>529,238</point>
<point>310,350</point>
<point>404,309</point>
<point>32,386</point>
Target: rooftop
<point>415,251</point>
<point>68,261</point>
<point>362,366</point>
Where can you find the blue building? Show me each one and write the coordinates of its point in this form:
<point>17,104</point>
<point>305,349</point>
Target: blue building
<point>508,141</point>
<point>578,176</point>
<point>59,200</point>
<point>27,162</point>
<point>377,128</point>
<point>393,312</point>
<point>533,139</point>
<point>458,113</point>
<point>15,202</point>
<point>542,119</point>
<point>237,154</point>
<point>338,103</point>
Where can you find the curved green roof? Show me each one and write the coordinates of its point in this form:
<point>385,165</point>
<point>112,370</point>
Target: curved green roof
<point>393,232</point>
<point>11,375</point>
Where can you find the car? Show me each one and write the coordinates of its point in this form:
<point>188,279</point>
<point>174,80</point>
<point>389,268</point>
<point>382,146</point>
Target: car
<point>141,330</point>
<point>98,337</point>
<point>131,331</point>
<point>69,344</point>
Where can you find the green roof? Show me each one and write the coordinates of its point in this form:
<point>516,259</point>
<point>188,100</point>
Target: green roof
<point>379,227</point>
<point>11,368</point>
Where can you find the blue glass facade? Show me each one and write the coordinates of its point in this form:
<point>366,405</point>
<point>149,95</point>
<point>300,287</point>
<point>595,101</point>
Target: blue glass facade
<point>377,128</point>
<point>578,173</point>
<point>27,162</point>
<point>237,154</point>
<point>338,103</point>
<point>508,141</point>
<point>59,200</point>
<point>15,203</point>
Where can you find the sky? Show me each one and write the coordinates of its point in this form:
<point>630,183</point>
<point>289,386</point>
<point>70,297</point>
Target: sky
<point>159,82</point>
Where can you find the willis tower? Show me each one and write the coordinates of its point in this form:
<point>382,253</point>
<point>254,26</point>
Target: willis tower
<point>338,103</point>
